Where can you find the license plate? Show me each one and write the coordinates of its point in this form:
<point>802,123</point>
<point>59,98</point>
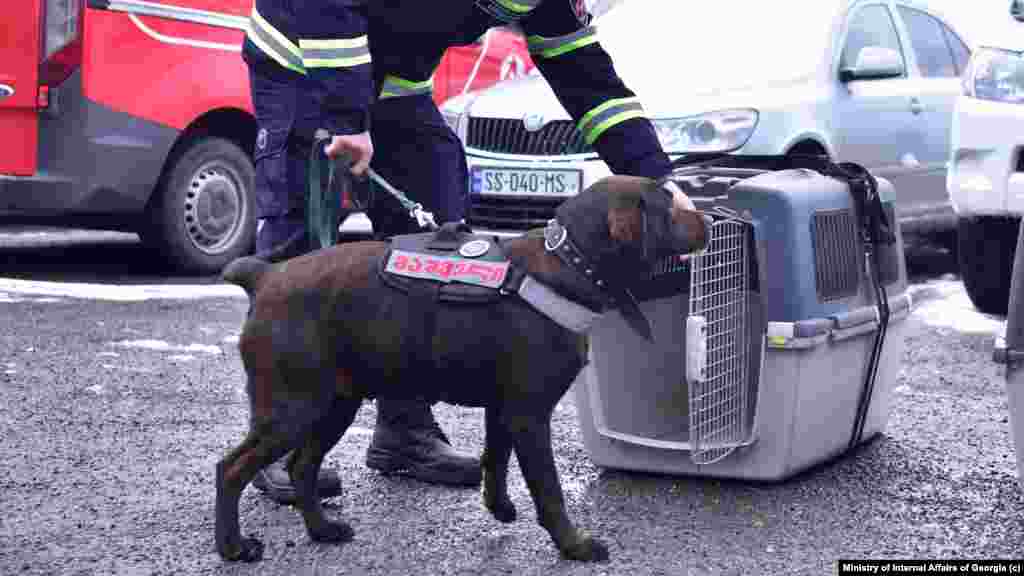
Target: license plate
<point>526,181</point>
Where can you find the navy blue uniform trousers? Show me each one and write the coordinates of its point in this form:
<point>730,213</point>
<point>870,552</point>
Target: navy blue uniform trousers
<point>414,150</point>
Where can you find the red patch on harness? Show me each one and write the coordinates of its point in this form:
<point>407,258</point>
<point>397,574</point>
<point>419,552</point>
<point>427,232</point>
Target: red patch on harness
<point>447,268</point>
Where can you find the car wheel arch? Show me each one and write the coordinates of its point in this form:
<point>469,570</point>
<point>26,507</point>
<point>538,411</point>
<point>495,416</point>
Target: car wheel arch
<point>238,126</point>
<point>233,126</point>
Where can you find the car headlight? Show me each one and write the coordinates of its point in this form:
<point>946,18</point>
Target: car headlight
<point>995,74</point>
<point>720,131</point>
<point>455,121</point>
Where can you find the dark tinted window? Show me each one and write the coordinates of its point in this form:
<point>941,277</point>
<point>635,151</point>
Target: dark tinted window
<point>928,39</point>
<point>870,26</point>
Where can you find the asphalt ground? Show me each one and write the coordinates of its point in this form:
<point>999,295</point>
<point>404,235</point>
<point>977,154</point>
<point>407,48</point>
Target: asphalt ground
<point>113,413</point>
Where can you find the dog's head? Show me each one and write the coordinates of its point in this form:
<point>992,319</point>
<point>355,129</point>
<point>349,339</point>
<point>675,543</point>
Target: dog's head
<point>626,224</point>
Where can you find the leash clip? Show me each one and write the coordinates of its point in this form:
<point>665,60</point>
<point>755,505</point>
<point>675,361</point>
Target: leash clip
<point>423,218</point>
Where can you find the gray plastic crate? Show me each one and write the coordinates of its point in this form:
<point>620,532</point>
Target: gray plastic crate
<point>761,341</point>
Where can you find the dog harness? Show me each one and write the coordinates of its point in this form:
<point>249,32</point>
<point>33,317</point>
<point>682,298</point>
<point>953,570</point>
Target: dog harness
<point>456,265</point>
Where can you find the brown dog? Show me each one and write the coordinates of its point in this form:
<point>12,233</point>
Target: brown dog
<point>324,332</point>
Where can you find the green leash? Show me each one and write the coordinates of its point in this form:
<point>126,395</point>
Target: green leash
<point>323,206</point>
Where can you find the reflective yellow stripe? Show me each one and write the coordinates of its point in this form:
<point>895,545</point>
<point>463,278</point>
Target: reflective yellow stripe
<point>603,117</point>
<point>551,47</point>
<point>335,44</point>
<point>334,53</point>
<point>520,7</point>
<point>394,87</point>
<point>596,131</point>
<point>273,43</point>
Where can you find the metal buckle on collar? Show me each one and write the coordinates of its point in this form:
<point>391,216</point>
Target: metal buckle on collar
<point>556,240</point>
<point>554,235</point>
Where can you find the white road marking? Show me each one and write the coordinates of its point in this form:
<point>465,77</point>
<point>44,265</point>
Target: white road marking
<point>129,369</point>
<point>9,287</point>
<point>7,298</point>
<point>164,346</point>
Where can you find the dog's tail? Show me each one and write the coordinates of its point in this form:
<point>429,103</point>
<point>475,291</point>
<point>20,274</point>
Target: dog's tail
<point>247,272</point>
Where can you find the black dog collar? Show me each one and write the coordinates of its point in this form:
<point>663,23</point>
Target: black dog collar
<point>609,294</point>
<point>556,240</point>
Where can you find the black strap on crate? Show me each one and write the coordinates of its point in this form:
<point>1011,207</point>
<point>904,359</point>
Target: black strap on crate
<point>875,228</point>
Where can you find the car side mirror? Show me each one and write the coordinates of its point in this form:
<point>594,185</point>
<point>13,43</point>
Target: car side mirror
<point>874,63</point>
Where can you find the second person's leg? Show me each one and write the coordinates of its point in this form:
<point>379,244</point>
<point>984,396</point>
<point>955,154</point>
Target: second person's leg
<point>417,153</point>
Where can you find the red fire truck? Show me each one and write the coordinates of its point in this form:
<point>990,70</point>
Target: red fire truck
<point>135,115</point>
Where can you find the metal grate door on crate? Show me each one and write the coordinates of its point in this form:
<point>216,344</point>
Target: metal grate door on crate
<point>718,343</point>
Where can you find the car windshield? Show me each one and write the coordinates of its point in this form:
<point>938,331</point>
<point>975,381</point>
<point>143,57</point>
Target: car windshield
<point>716,45</point>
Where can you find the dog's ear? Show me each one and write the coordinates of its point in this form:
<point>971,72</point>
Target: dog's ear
<point>625,218</point>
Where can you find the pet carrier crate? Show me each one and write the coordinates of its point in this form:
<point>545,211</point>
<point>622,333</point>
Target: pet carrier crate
<point>761,363</point>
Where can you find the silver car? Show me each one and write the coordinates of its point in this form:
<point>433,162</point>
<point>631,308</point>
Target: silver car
<point>868,81</point>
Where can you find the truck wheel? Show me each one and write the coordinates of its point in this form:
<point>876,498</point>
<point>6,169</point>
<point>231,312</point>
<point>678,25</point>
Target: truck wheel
<point>202,215</point>
<point>985,250</point>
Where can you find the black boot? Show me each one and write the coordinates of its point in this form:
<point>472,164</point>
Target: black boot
<point>275,482</point>
<point>408,440</point>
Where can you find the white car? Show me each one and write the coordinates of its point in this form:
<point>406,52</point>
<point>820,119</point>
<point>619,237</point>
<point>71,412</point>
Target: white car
<point>869,81</point>
<point>986,174</point>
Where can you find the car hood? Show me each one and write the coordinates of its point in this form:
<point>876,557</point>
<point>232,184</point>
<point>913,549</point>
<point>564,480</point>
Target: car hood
<point>682,61</point>
<point>532,95</point>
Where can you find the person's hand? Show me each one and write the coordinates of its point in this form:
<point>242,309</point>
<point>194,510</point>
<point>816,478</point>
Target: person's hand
<point>358,147</point>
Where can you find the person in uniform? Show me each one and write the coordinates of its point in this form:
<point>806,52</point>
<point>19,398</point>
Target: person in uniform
<point>362,69</point>
<point>417,152</point>
<point>310,68</point>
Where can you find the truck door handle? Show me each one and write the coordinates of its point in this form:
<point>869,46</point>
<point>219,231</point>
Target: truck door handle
<point>6,91</point>
<point>915,106</point>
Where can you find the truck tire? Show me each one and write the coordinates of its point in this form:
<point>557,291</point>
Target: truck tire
<point>985,250</point>
<point>202,214</point>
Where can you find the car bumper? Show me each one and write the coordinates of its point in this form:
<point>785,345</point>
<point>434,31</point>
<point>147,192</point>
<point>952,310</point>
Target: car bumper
<point>986,172</point>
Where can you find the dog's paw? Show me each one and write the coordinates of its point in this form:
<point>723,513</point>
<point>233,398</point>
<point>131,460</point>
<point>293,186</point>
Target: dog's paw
<point>336,532</point>
<point>586,549</point>
<point>503,510</point>
<point>248,550</point>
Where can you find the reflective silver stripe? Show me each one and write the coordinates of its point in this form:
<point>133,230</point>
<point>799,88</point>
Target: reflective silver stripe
<point>180,13</point>
<point>274,44</point>
<point>336,53</point>
<point>394,87</point>
<point>551,47</point>
<point>565,312</point>
<point>603,117</point>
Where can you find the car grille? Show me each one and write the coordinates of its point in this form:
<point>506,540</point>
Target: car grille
<point>510,136</point>
<point>511,213</point>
